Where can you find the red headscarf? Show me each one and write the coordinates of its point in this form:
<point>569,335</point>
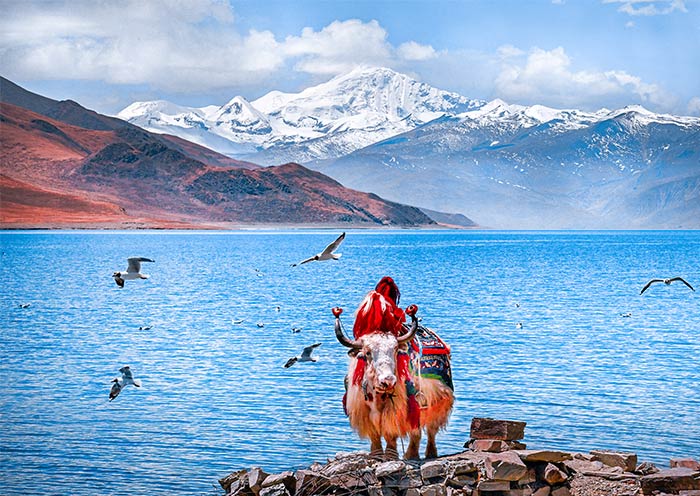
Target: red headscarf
<point>379,311</point>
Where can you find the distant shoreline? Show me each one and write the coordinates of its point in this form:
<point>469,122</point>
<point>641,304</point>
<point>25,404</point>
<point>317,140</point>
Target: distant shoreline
<point>226,227</point>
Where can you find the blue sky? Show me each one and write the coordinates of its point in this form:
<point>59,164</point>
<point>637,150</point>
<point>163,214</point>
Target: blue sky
<point>583,54</point>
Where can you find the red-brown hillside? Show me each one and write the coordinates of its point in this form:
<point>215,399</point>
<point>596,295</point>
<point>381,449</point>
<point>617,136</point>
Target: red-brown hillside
<point>64,165</point>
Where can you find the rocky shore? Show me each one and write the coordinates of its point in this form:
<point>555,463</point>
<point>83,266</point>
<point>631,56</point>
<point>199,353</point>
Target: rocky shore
<point>495,462</point>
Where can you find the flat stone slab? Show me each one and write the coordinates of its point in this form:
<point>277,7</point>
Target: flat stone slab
<point>672,481</point>
<point>543,455</point>
<point>504,430</point>
<point>628,461</point>
<point>506,466</point>
<point>685,462</point>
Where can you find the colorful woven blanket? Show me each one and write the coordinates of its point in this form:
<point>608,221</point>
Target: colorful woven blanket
<point>433,355</point>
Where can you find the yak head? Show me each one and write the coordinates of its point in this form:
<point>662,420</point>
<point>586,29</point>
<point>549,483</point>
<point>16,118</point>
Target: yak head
<point>381,350</point>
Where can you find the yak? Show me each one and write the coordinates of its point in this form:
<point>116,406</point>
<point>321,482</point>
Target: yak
<point>399,379</point>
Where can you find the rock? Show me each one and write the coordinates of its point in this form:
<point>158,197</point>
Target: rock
<point>543,491</point>
<point>553,475</point>
<point>275,490</point>
<point>561,491</point>
<point>387,469</point>
<point>671,481</point>
<point>543,456</point>
<point>504,430</point>
<point>685,462</point>
<point>489,445</point>
<point>463,466</point>
<point>433,469</point>
<point>227,481</point>
<point>256,476</point>
<point>505,466</point>
<point>431,490</point>
<point>581,465</point>
<point>646,468</point>
<point>528,478</point>
<point>287,478</point>
<point>628,461</point>
<point>309,482</point>
<point>493,485</point>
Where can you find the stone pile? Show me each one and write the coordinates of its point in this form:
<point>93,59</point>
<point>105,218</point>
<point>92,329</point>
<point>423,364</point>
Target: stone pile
<point>495,463</point>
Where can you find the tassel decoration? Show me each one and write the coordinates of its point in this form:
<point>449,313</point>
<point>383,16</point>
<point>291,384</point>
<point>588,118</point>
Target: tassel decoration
<point>359,373</point>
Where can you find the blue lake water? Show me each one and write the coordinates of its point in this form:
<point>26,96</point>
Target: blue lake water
<point>215,396</point>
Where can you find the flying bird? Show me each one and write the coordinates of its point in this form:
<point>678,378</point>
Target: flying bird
<point>666,282</point>
<point>123,381</point>
<point>133,271</point>
<point>327,253</point>
<point>116,388</point>
<point>305,356</point>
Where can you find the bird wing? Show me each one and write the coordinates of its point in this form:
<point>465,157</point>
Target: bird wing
<point>334,245</point>
<point>649,284</point>
<point>310,259</point>
<point>309,349</point>
<point>290,362</point>
<point>683,281</point>
<point>135,263</point>
<point>126,373</point>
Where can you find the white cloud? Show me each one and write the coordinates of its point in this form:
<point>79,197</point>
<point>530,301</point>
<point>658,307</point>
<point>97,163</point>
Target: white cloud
<point>415,51</point>
<point>649,7</point>
<point>180,45</point>
<point>339,47</point>
<point>629,24</point>
<point>694,106</point>
<point>546,77</point>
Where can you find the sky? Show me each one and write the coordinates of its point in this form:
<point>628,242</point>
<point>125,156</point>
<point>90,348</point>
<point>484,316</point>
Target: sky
<point>585,54</point>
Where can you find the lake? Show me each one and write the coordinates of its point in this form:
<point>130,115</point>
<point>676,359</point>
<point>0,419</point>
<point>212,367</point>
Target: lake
<point>215,395</point>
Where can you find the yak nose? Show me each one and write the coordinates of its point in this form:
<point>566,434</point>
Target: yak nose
<point>387,382</point>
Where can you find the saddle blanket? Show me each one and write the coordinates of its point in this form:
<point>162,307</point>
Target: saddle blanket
<point>434,361</point>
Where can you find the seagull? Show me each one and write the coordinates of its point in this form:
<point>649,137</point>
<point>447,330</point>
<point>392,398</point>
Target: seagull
<point>666,282</point>
<point>128,377</point>
<point>133,271</point>
<point>260,324</point>
<point>296,330</point>
<point>305,356</point>
<point>327,253</point>
<point>237,321</point>
<point>626,314</point>
<point>145,328</point>
<point>519,325</point>
<point>25,305</point>
<point>116,388</point>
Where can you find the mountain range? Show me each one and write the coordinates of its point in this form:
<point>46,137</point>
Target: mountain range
<point>503,165</point>
<point>67,166</point>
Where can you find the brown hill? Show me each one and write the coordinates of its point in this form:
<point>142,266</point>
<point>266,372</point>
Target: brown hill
<point>63,165</point>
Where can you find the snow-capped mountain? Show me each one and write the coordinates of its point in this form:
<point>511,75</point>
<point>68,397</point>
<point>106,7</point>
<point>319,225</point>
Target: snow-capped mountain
<point>512,166</point>
<point>325,121</point>
<point>501,164</point>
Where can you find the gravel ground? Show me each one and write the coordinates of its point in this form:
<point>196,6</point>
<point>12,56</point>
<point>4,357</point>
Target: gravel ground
<point>582,485</point>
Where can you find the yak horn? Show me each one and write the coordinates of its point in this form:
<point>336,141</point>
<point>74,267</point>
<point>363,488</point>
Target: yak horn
<point>342,339</point>
<point>405,338</point>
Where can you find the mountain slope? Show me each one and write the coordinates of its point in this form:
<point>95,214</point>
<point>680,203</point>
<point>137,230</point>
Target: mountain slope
<point>519,167</point>
<point>113,173</point>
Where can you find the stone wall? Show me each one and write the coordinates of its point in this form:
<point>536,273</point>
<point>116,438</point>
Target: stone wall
<point>494,463</point>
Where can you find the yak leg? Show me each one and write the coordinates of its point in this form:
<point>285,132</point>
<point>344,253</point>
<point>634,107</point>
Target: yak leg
<point>391,453</point>
<point>413,446</point>
<point>375,449</point>
<point>431,447</point>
